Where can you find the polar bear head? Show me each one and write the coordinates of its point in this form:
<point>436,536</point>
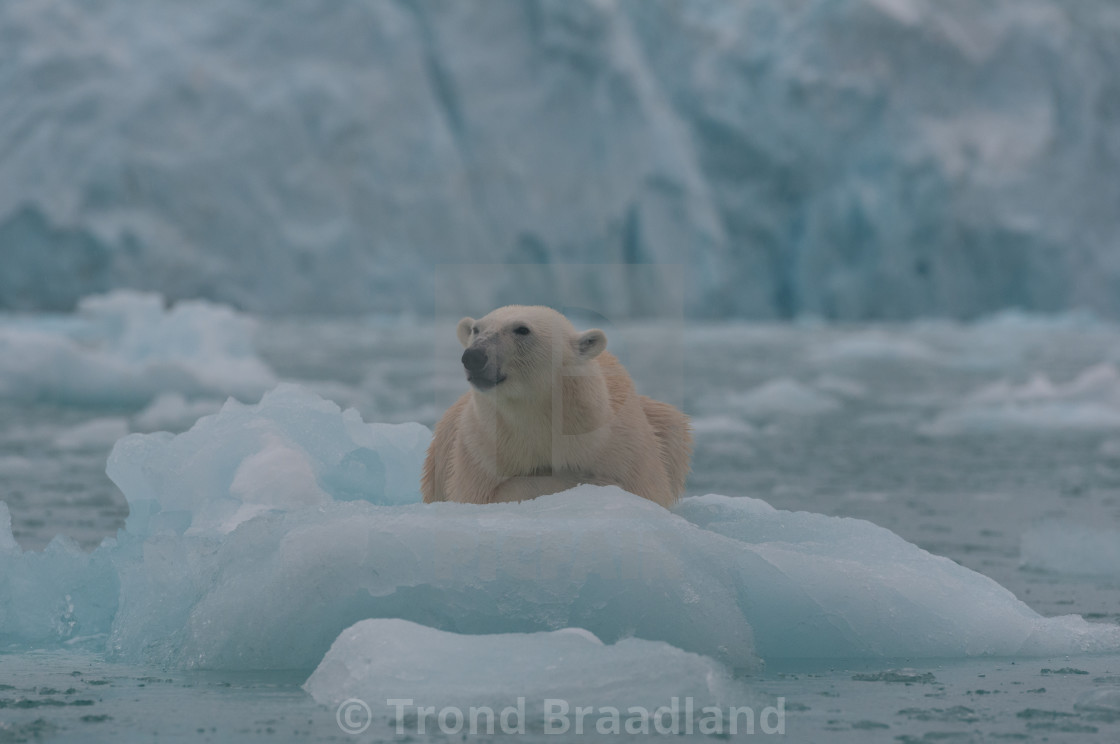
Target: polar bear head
<point>519,350</point>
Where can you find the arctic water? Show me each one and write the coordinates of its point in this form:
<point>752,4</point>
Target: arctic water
<point>275,562</point>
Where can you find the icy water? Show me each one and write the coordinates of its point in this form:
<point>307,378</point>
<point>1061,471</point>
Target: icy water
<point>962,439</point>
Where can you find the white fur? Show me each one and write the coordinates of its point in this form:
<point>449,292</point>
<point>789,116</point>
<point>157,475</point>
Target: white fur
<point>562,412</point>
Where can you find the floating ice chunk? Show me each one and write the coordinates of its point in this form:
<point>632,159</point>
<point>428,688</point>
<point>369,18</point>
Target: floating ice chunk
<point>14,464</point>
<point>252,544</point>
<point>842,386</point>
<point>58,595</point>
<point>8,544</point>
<point>994,419</point>
<point>846,587</point>
<point>173,412</point>
<point>874,346</point>
<point>98,433</point>
<point>718,577</point>
<point>1002,322</point>
<point>593,557</point>
<point>280,475</point>
<point>900,419</point>
<point>292,449</point>
<point>721,425</point>
<point>1089,402</point>
<point>722,577</point>
<point>782,396</point>
<point>1097,384</point>
<point>378,660</point>
<point>1072,549</point>
<point>125,348</point>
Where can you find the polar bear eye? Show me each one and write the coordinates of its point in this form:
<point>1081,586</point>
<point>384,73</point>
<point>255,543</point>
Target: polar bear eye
<point>521,330</point>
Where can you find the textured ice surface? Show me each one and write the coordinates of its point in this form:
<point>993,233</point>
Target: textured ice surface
<point>873,346</point>
<point>1072,549</point>
<point>291,450</point>
<point>841,587</point>
<point>596,558</point>
<point>259,535</point>
<point>846,158</point>
<point>1090,401</point>
<point>58,595</point>
<point>721,426</point>
<point>124,348</point>
<point>376,660</point>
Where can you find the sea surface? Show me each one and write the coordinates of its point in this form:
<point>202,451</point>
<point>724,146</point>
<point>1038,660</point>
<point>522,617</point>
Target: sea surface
<point>979,442</point>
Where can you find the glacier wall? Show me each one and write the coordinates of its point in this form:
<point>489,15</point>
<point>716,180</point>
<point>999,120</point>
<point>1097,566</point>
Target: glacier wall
<point>854,159</point>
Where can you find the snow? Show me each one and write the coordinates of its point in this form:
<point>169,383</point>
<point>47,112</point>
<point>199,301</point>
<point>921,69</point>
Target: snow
<point>864,159</point>
<point>258,536</point>
<point>1072,549</point>
<point>378,660</point>
<point>125,348</point>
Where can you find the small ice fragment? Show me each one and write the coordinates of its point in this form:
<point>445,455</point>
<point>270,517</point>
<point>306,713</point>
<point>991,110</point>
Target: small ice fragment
<point>99,433</point>
<point>378,660</point>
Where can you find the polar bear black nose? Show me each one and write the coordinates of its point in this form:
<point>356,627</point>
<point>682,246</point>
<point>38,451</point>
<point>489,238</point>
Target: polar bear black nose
<point>474,359</point>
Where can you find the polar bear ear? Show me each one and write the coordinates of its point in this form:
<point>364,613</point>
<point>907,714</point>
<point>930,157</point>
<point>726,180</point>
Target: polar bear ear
<point>591,343</point>
<point>463,331</point>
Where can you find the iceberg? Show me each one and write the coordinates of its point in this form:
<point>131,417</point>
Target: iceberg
<point>291,450</point>
<point>599,559</point>
<point>60,595</point>
<point>264,532</point>
<point>125,348</point>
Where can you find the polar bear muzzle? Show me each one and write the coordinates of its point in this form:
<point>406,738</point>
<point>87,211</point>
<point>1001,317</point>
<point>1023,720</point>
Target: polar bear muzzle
<point>482,369</point>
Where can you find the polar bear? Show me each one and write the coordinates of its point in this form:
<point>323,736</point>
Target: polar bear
<point>549,409</point>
